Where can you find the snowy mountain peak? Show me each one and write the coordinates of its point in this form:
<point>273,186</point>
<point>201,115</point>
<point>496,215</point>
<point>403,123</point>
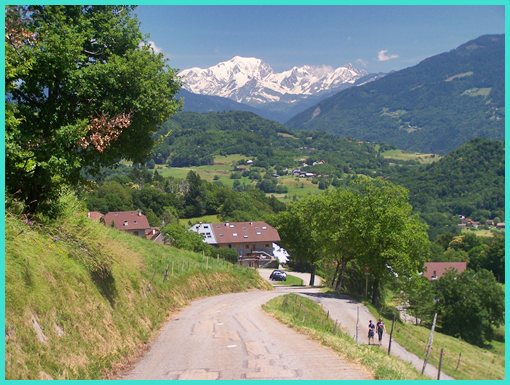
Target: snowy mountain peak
<point>250,80</point>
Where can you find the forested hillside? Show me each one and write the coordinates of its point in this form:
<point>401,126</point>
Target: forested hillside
<point>193,139</point>
<point>434,106</point>
<point>469,181</point>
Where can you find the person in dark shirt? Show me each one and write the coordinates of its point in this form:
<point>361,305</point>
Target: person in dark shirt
<point>371,328</point>
<point>380,329</point>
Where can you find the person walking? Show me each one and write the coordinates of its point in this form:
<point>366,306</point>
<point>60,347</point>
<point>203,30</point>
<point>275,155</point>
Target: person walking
<point>380,329</point>
<point>371,328</point>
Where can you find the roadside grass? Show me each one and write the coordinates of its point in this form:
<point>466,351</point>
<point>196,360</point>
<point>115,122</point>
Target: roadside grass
<point>82,298</point>
<point>309,318</point>
<point>406,156</point>
<point>292,280</point>
<point>475,363</point>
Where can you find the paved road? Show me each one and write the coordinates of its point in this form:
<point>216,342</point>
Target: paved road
<point>265,273</point>
<point>344,309</point>
<point>231,337</point>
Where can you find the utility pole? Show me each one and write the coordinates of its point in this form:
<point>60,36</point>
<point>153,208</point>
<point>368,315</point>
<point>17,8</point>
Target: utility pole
<point>429,344</point>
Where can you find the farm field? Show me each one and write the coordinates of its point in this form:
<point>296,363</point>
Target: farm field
<point>222,168</point>
<point>406,156</point>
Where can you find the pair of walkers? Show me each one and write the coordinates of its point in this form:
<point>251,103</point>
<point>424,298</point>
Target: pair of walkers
<point>379,327</point>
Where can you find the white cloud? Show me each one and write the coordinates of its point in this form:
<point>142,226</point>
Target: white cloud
<point>154,47</point>
<point>361,62</point>
<point>151,45</point>
<point>383,56</point>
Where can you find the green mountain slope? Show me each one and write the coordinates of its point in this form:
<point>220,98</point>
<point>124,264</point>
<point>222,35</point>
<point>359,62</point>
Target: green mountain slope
<point>469,181</point>
<point>434,106</point>
<point>82,298</point>
<point>193,139</point>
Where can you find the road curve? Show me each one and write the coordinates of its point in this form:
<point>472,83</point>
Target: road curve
<point>229,337</point>
<point>344,309</point>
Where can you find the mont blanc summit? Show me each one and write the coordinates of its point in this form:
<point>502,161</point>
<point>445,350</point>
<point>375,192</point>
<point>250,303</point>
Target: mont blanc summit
<point>249,80</point>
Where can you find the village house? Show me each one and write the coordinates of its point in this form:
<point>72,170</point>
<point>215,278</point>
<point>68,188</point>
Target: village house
<point>253,241</point>
<point>435,270</point>
<point>133,222</point>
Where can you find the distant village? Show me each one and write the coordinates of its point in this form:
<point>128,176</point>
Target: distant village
<point>465,222</point>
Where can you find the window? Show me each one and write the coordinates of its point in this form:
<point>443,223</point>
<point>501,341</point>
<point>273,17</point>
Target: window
<point>230,246</point>
<point>266,245</point>
<point>247,246</point>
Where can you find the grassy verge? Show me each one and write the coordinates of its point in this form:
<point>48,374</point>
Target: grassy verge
<point>475,363</point>
<point>308,317</point>
<point>81,297</point>
<point>292,280</point>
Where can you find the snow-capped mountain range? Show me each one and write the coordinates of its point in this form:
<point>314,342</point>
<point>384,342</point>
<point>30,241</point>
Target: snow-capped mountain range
<point>249,80</point>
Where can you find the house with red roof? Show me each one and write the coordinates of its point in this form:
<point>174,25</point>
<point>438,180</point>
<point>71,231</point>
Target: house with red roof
<point>133,222</point>
<point>252,240</point>
<point>435,270</point>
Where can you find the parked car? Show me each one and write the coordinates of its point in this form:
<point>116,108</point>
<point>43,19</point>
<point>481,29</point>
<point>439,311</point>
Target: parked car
<point>278,275</point>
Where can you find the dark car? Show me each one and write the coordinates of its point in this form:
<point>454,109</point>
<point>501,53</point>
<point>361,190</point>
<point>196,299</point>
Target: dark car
<point>278,275</point>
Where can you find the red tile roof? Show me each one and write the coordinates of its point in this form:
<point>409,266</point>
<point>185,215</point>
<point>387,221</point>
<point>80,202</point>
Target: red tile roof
<point>244,232</point>
<point>152,233</point>
<point>127,220</point>
<point>440,268</point>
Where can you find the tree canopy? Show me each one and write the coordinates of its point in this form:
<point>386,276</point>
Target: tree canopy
<point>372,224</point>
<point>83,90</point>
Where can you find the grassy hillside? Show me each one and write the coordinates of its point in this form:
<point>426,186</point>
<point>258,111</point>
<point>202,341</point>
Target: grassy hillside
<point>474,363</point>
<point>82,298</point>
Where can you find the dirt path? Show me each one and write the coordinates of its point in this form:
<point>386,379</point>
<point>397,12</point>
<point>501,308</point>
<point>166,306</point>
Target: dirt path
<point>231,337</point>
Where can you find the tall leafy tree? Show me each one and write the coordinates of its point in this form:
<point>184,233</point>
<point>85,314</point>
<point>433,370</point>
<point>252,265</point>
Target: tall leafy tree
<point>83,90</point>
<point>470,305</point>
<point>336,230</point>
<point>298,232</point>
<point>393,239</point>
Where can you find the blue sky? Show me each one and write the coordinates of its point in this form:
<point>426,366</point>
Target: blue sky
<point>376,38</point>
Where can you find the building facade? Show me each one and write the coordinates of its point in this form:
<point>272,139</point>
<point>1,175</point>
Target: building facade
<point>246,238</point>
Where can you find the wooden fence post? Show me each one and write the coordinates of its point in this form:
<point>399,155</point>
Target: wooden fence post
<point>165,274</point>
<point>458,362</point>
<point>440,364</point>
<point>391,334</point>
